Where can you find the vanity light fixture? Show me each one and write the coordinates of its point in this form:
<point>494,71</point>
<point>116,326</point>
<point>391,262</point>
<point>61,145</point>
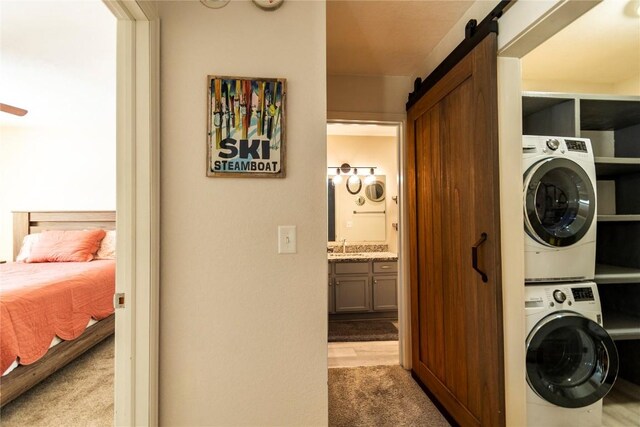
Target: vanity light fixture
<point>337,179</point>
<point>353,179</point>
<point>371,178</point>
<point>347,169</point>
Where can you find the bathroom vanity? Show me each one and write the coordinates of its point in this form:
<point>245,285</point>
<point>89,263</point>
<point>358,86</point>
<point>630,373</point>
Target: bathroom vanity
<point>363,275</point>
<point>363,285</point>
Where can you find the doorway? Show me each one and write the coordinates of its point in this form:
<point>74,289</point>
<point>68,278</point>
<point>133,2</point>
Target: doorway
<point>364,243</point>
<point>59,159</point>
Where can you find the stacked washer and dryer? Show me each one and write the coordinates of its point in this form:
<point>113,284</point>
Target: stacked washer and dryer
<point>571,361</point>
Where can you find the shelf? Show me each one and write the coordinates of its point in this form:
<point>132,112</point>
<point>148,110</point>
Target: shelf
<point>621,326</point>
<point>615,274</point>
<point>618,218</point>
<point>616,165</point>
<point>534,104</point>
<point>609,114</point>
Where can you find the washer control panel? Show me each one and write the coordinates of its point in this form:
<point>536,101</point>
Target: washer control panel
<point>560,296</point>
<point>556,146</point>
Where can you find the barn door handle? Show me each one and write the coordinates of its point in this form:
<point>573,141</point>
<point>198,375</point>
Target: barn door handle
<point>474,257</point>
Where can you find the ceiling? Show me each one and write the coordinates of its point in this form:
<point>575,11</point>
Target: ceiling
<point>44,51</point>
<point>392,37</point>
<point>602,46</point>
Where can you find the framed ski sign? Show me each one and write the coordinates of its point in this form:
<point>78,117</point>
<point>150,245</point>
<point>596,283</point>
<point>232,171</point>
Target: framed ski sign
<point>246,127</point>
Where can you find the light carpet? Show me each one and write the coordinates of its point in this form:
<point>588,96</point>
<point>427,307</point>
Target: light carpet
<point>379,396</point>
<point>80,394</point>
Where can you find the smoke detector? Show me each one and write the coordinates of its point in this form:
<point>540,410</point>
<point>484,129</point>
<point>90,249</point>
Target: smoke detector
<point>268,4</point>
<point>214,4</point>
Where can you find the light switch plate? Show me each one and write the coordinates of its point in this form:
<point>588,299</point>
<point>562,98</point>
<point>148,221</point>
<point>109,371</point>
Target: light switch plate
<point>287,239</point>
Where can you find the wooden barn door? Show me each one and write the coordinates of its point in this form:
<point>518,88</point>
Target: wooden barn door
<point>455,240</point>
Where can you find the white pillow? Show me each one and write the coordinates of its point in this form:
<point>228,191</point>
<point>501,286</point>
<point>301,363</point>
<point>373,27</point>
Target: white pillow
<point>108,246</point>
<point>27,243</point>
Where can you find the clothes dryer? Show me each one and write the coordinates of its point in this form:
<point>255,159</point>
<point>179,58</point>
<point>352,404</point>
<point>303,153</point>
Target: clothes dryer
<point>559,199</point>
<point>571,361</point>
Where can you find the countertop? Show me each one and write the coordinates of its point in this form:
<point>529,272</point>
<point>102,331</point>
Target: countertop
<point>362,257</point>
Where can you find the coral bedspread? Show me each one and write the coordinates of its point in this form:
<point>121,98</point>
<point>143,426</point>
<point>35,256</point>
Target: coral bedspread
<point>40,301</point>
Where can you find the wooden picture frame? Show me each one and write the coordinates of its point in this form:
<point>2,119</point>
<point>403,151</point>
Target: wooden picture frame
<point>246,127</point>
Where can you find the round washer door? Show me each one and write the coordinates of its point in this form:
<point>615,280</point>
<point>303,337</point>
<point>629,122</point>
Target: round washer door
<point>559,202</point>
<point>571,360</point>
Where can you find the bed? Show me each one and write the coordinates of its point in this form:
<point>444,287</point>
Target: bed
<point>29,292</point>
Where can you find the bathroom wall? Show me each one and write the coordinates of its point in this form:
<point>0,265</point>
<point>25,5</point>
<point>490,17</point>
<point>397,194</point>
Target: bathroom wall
<point>379,151</point>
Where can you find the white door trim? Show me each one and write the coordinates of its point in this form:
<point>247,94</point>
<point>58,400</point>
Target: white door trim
<point>137,210</point>
<point>404,292</point>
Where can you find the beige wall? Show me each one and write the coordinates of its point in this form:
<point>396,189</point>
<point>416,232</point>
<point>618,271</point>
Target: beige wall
<point>60,65</point>
<point>627,87</point>
<point>367,94</point>
<point>243,330</point>
<point>378,151</point>
<point>566,86</point>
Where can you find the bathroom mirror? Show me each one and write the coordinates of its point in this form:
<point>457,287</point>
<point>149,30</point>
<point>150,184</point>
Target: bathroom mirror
<point>357,212</point>
<point>375,191</point>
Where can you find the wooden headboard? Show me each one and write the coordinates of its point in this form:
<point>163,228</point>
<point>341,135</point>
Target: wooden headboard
<point>34,222</point>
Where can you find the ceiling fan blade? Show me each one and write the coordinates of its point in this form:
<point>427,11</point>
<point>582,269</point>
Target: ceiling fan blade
<point>12,110</point>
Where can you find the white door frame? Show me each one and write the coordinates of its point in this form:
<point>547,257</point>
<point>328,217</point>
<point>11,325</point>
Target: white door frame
<point>404,292</point>
<point>137,210</point>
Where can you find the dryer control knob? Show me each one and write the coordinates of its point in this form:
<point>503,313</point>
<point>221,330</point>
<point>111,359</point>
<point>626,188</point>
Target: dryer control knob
<point>559,296</point>
<point>553,144</point>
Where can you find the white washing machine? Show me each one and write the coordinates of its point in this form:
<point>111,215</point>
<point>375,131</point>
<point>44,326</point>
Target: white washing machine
<point>559,196</point>
<point>571,361</point>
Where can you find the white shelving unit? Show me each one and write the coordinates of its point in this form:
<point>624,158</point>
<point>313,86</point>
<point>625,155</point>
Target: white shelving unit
<point>621,326</point>
<point>612,166</point>
<point>606,274</point>
<point>613,125</point>
<point>618,218</point>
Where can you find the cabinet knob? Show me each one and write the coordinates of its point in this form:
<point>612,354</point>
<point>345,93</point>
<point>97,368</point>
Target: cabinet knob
<point>375,282</point>
<point>337,283</point>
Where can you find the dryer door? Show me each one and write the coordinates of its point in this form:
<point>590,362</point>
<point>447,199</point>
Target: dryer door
<point>571,360</point>
<point>559,202</point>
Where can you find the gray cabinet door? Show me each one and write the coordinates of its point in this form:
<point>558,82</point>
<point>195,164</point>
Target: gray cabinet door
<point>351,294</point>
<point>332,304</point>
<point>385,293</point>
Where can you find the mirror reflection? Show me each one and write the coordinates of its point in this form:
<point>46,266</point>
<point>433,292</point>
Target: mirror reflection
<point>357,211</point>
<point>354,185</point>
<point>375,191</point>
